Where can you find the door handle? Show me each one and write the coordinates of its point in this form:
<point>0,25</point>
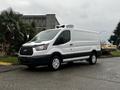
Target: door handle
<point>71,44</point>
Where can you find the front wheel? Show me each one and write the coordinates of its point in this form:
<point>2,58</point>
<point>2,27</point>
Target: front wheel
<point>93,59</point>
<point>55,63</point>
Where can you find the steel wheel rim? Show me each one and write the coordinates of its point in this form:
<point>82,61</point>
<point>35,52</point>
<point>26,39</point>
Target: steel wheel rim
<point>56,63</point>
<point>93,58</point>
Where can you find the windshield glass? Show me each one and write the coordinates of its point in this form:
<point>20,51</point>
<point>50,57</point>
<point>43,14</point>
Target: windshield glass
<point>45,36</point>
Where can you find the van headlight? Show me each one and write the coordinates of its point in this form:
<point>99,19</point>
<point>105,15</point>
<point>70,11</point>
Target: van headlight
<point>41,47</point>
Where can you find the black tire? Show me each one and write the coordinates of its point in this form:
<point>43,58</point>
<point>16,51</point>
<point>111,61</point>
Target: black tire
<point>55,63</point>
<point>93,59</point>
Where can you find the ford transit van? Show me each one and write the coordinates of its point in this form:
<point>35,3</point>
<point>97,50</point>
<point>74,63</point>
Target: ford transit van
<point>55,46</point>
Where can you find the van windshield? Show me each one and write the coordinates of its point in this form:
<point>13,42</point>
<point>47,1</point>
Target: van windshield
<point>45,36</point>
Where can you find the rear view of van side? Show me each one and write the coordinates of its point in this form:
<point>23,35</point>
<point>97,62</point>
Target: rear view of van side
<point>55,46</point>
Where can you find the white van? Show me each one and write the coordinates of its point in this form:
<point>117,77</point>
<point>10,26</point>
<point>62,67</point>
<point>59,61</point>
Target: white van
<point>55,46</point>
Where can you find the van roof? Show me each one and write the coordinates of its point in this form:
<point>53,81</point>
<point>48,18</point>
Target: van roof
<point>83,30</point>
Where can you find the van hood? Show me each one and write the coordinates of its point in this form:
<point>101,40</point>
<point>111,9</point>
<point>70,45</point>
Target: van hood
<point>33,43</point>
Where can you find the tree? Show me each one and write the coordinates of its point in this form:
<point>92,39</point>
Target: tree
<point>13,32</point>
<point>26,30</point>
<point>115,39</point>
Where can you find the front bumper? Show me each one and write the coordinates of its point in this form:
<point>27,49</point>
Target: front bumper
<point>34,60</point>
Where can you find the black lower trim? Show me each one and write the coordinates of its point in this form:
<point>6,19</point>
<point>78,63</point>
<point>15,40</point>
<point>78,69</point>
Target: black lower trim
<point>45,59</point>
<point>35,60</point>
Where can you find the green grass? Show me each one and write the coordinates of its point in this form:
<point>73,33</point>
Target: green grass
<point>9,59</point>
<point>116,53</point>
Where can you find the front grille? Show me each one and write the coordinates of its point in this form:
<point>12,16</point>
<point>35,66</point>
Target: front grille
<point>26,51</point>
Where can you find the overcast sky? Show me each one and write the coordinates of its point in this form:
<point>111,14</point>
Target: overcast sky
<point>98,15</point>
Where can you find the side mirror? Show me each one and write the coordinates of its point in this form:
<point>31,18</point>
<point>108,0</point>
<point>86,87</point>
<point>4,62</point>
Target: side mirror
<point>59,41</point>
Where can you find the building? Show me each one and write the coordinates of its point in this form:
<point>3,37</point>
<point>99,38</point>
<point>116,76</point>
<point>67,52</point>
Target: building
<point>42,22</point>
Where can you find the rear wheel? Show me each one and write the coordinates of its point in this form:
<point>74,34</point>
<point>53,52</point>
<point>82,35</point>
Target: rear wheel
<point>93,59</point>
<point>55,63</point>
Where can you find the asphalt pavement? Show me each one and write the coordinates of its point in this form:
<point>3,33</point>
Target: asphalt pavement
<point>105,75</point>
<point>7,68</point>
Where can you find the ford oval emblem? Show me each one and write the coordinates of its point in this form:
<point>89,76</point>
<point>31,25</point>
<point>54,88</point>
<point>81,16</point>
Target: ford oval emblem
<point>25,50</point>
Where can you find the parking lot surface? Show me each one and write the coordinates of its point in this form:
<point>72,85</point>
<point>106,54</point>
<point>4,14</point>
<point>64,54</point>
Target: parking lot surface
<point>105,75</point>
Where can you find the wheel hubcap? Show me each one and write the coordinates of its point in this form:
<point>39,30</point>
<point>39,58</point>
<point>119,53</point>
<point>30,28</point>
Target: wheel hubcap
<point>56,63</point>
<point>93,58</point>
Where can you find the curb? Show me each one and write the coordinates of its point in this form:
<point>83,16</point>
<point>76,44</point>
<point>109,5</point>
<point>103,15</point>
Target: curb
<point>5,63</point>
